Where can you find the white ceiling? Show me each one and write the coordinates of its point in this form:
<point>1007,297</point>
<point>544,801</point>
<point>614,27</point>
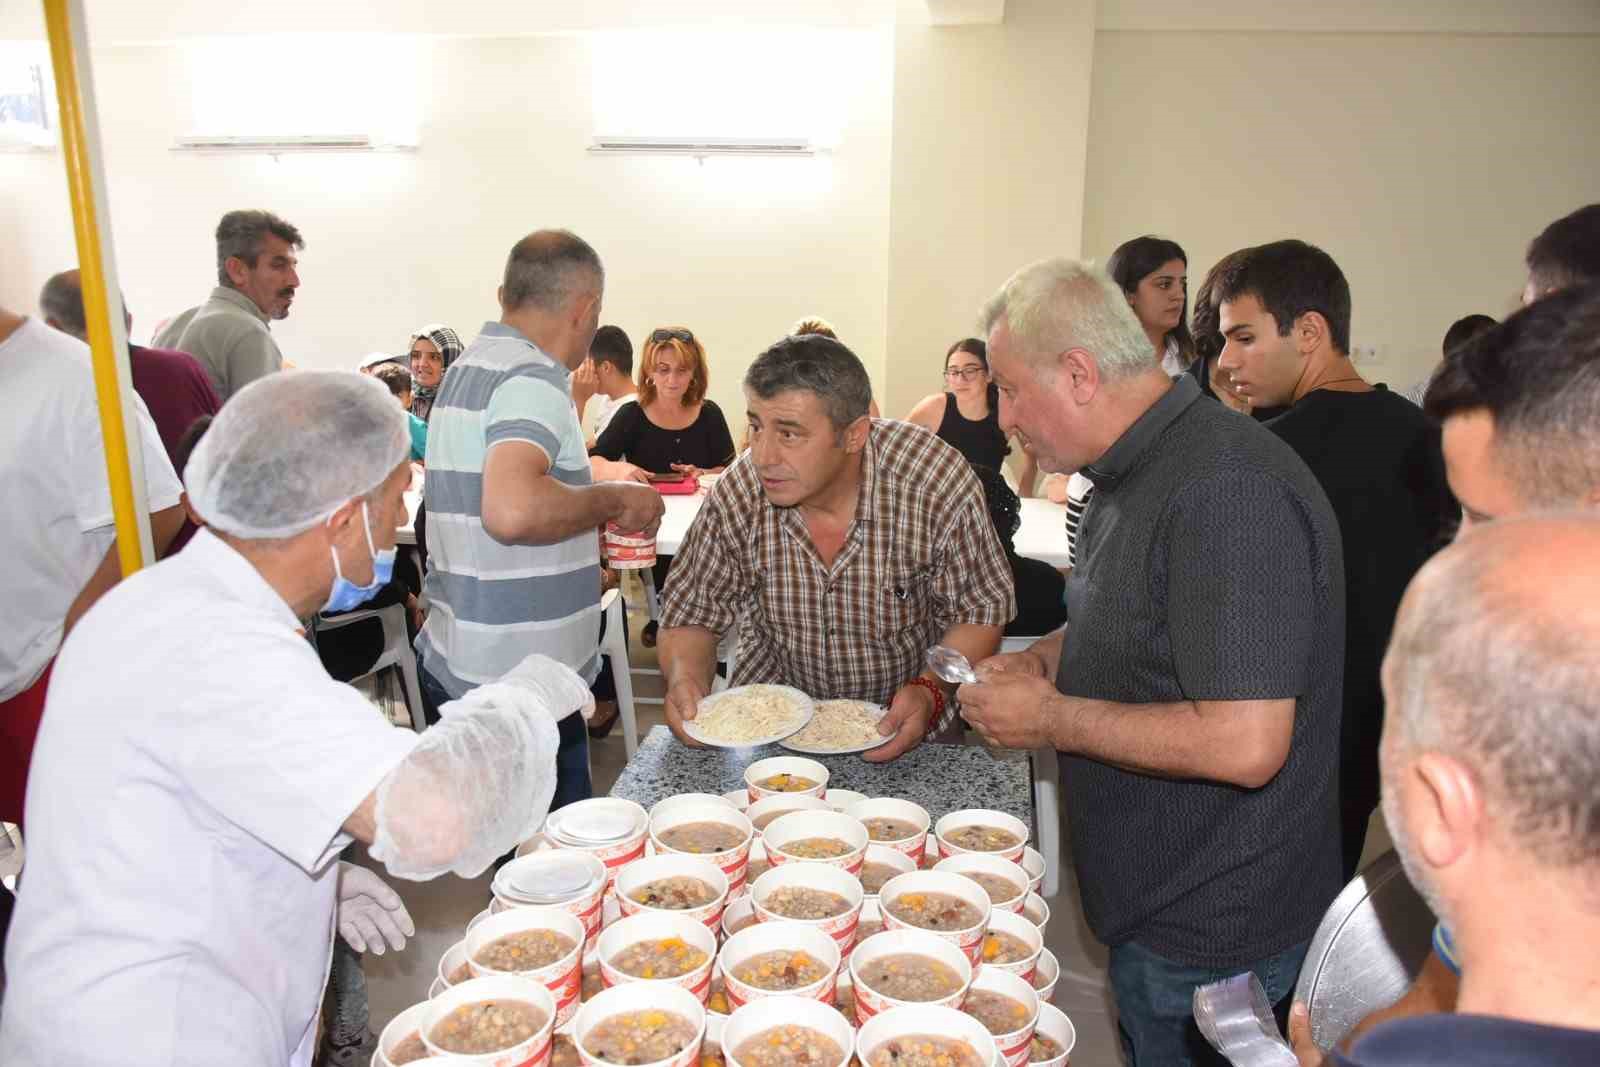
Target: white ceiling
<point>128,21</point>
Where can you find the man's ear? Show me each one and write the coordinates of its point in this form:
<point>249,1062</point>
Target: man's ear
<point>1078,373</point>
<point>343,518</point>
<point>1310,331</point>
<point>237,270</point>
<point>1448,812</point>
<point>855,435</point>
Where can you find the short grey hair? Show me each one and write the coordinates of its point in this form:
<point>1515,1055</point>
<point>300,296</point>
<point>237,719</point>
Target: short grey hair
<point>241,234</point>
<point>1488,668</point>
<point>61,301</point>
<point>547,269</point>
<point>1057,304</point>
<point>816,364</point>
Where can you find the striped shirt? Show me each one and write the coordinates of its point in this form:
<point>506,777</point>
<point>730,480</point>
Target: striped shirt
<point>492,604</point>
<point>920,557</point>
<point>1079,492</point>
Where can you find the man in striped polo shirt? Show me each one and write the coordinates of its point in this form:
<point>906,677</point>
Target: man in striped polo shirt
<point>513,512</point>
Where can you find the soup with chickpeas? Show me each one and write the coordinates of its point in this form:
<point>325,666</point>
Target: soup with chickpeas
<point>998,1013</point>
<point>487,1026</point>
<point>1000,890</point>
<point>999,947</point>
<point>786,783</point>
<point>525,950</point>
<point>786,1045</point>
<point>639,1037</point>
<point>934,911</point>
<point>909,976</point>
<point>815,848</point>
<point>805,903</point>
<point>880,828</point>
<point>563,1053</point>
<point>873,875</point>
<point>676,893</point>
<point>410,1049</point>
<point>702,837</point>
<point>781,969</point>
<point>978,838</point>
<point>923,1050</point>
<point>668,957</point>
<point>1043,1048</point>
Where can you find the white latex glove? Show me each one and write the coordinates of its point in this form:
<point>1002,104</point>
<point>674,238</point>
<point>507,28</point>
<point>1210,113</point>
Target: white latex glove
<point>554,684</point>
<point>370,913</point>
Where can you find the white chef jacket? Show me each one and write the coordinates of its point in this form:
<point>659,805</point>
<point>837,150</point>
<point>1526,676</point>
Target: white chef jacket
<point>191,776</point>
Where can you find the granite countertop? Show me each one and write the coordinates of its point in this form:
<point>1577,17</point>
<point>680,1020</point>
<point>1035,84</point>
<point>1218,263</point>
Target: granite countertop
<point>941,777</point>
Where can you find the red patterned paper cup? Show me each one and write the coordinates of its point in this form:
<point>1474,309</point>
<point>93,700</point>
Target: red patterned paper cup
<point>635,997</point>
<point>836,880</point>
<point>564,978</point>
<point>407,1024</point>
<point>1033,863</point>
<point>771,937</point>
<point>1035,910</point>
<point>1046,975</point>
<point>628,550</point>
<point>1054,1024</point>
<point>658,926</point>
<point>454,958</point>
<point>800,825</point>
<point>759,1016</point>
<point>764,769</point>
<point>969,940</point>
<point>534,1052</point>
<point>1010,922</point>
<point>738,915</point>
<point>765,810</point>
<point>732,861</point>
<point>966,863</point>
<point>559,867</point>
<point>1013,1044</point>
<point>904,811</point>
<point>1000,820</point>
<point>914,1019</point>
<point>612,830</point>
<point>871,1002</point>
<point>674,865</point>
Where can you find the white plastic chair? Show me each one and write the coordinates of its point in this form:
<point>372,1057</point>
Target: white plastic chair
<point>615,645</point>
<point>1046,795</point>
<point>396,653</point>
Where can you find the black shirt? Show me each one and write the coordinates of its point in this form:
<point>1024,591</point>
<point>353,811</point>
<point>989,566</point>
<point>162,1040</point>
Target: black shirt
<point>633,437</point>
<point>1470,1041</point>
<point>979,440</point>
<point>1208,568</point>
<point>1041,609</point>
<point>1378,459</point>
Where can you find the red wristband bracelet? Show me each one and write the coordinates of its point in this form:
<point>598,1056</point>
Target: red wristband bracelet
<point>938,701</point>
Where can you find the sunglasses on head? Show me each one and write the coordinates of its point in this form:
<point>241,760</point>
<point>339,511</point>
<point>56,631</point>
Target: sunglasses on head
<point>663,336</point>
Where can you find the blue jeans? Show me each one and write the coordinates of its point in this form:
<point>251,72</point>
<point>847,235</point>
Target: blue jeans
<point>572,758</point>
<point>1155,1002</point>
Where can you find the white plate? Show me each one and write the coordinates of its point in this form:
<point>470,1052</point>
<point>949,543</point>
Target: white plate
<point>807,709</point>
<point>878,712</point>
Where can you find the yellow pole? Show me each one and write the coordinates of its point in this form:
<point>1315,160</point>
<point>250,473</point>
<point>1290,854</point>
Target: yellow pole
<point>108,342</point>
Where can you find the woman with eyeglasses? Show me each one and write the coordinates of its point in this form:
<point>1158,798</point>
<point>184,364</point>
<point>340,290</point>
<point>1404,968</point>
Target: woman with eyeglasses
<point>967,413</point>
<point>672,427</point>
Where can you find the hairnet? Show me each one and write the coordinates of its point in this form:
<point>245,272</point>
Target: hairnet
<point>288,449</point>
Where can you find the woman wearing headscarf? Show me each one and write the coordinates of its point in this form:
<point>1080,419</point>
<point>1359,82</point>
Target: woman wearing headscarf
<point>433,349</point>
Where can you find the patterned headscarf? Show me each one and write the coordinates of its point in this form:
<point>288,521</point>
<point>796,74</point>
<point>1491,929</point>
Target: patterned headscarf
<point>448,342</point>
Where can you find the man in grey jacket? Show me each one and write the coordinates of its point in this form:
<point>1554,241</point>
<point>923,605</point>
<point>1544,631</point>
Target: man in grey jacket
<point>256,282</point>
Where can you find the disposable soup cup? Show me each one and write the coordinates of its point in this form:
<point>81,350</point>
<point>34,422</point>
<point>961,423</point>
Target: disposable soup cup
<point>688,935</point>
<point>1054,1024</point>
<point>406,1025</point>
<point>767,809</point>
<point>610,829</point>
<point>640,873</point>
<point>451,963</point>
<point>871,1001</point>
<point>677,799</point>
<point>792,878</point>
<point>910,891</point>
<point>1036,910</point>
<point>733,860</point>
<point>1013,1043</point>
<point>785,834</point>
<point>762,938</point>
<point>533,1052</point>
<point>1046,975</point>
<point>640,997</point>
<point>1017,926</point>
<point>984,817</point>
<point>572,880</point>
<point>901,811</point>
<point>758,776</point>
<point>843,799</point>
<point>1033,863</point>
<point>917,1019</point>
<point>761,1016</point>
<point>738,915</point>
<point>892,858</point>
<point>967,864</point>
<point>564,977</point>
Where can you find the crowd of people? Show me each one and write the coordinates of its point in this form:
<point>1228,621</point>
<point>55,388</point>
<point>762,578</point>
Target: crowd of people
<point>1265,634</point>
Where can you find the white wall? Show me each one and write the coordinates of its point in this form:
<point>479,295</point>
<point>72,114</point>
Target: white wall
<point>1422,163</point>
<point>735,249</point>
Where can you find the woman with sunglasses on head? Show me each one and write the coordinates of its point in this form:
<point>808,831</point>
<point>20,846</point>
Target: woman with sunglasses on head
<point>672,427</point>
<point>967,414</point>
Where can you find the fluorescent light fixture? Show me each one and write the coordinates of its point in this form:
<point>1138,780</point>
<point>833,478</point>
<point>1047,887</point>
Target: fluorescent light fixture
<point>701,147</point>
<point>276,143</point>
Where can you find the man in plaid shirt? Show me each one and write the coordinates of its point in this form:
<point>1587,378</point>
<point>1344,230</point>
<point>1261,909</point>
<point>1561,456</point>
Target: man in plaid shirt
<point>843,546</point>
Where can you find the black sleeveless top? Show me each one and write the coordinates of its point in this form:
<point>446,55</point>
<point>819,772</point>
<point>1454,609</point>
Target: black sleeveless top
<point>981,442</point>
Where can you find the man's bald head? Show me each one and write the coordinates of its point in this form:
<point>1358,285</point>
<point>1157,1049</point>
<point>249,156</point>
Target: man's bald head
<point>1493,665</point>
<point>61,304</point>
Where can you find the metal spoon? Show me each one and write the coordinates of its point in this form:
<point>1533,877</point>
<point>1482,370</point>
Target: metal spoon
<point>951,665</point>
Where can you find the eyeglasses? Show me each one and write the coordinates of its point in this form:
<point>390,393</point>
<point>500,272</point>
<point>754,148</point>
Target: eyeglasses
<point>966,374</point>
<point>662,336</point>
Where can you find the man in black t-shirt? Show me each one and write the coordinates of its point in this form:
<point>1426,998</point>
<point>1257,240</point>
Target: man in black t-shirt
<point>1284,310</point>
<point>1194,695</point>
<point>1491,752</point>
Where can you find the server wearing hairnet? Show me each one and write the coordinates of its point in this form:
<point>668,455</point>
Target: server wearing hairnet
<point>198,772</point>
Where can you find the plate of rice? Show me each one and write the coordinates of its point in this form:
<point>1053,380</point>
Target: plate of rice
<point>749,715</point>
<point>839,726</point>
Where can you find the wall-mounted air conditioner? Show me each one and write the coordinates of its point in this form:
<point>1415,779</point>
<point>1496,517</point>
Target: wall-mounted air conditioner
<point>703,146</point>
<point>276,143</point>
